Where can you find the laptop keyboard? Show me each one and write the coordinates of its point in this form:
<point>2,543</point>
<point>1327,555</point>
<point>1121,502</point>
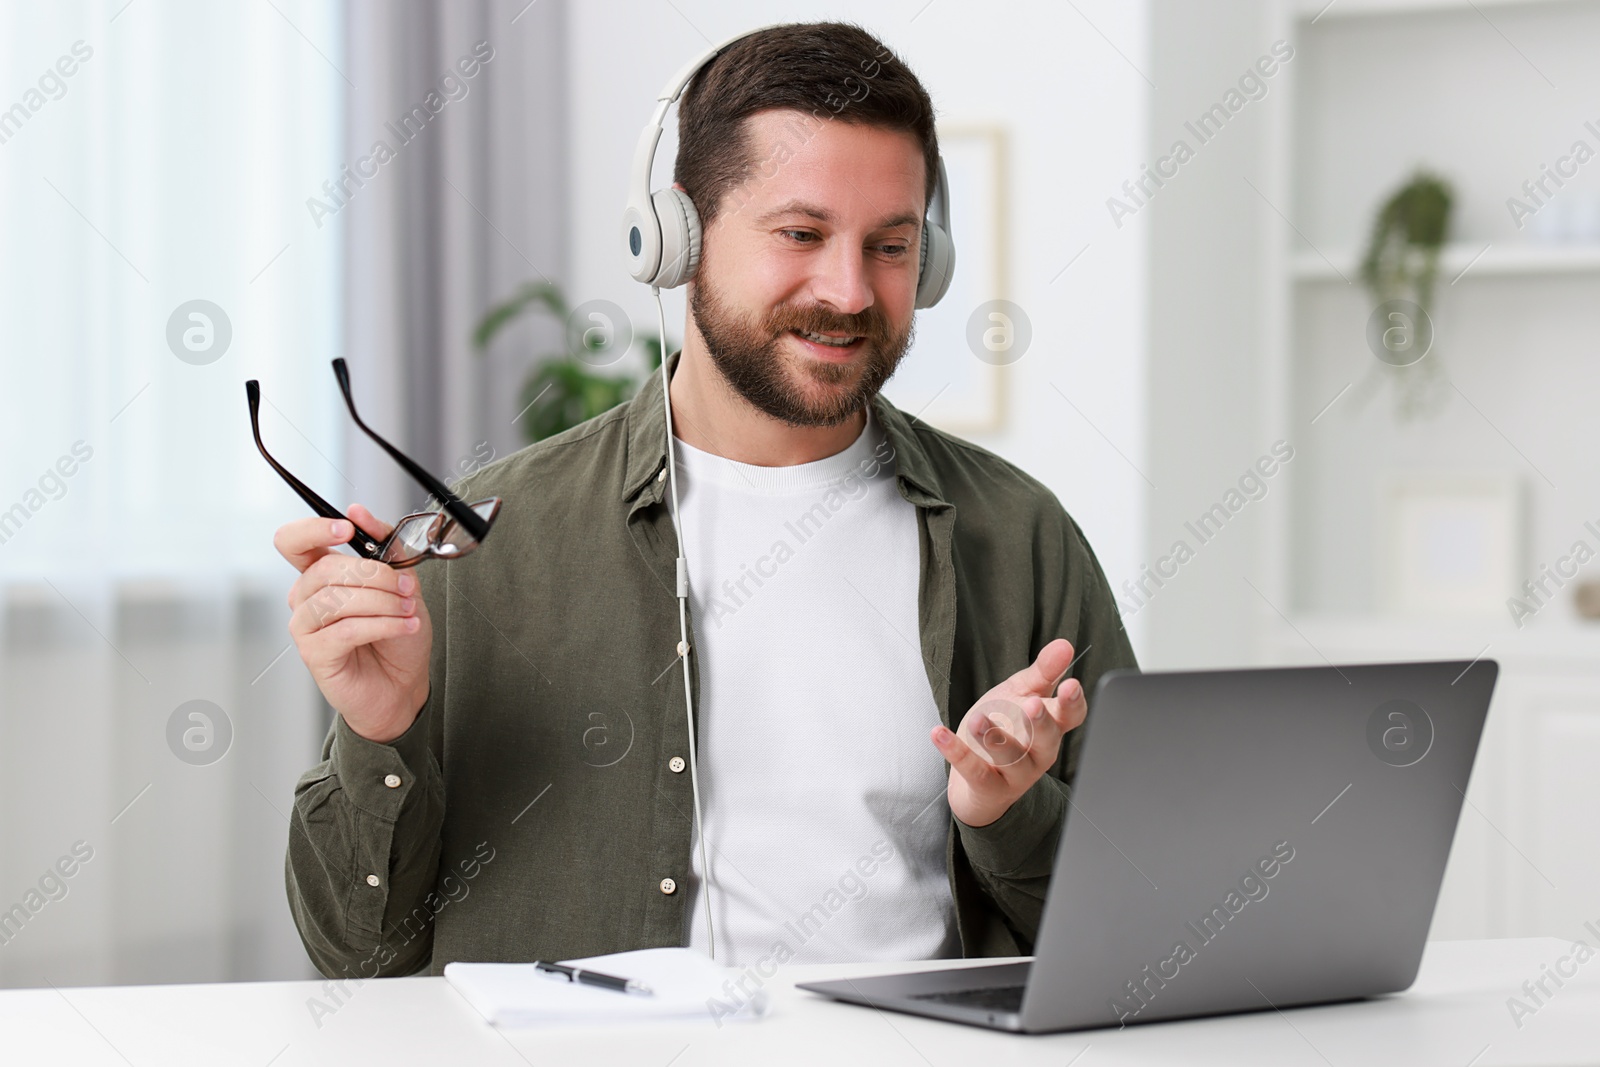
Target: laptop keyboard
<point>996,998</point>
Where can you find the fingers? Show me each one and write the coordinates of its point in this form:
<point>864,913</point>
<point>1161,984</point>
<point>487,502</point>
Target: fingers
<point>1070,707</point>
<point>962,759</point>
<point>1067,706</point>
<point>1025,735</point>
<point>369,522</point>
<point>332,644</point>
<point>1046,667</point>
<point>339,570</point>
<point>1002,732</point>
<point>336,602</point>
<point>308,544</point>
<point>304,541</point>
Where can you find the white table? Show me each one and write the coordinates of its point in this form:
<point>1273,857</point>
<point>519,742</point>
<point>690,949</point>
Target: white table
<point>1455,1015</point>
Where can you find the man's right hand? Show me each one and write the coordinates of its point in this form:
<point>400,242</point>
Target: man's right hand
<point>361,626</point>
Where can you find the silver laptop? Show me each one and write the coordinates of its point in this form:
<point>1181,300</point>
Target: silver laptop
<point>1236,840</point>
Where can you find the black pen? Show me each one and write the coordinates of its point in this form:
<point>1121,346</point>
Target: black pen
<point>594,978</point>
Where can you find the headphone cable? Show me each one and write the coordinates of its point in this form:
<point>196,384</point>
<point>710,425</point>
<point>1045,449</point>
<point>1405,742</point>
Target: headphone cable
<point>683,627</point>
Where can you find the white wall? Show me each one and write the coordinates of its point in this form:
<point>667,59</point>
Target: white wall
<point>1207,391</point>
<point>1075,112</point>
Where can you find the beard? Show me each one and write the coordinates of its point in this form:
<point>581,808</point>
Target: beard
<point>749,353</point>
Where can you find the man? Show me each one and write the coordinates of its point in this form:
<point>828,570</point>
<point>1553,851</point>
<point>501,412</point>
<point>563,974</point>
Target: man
<point>506,775</point>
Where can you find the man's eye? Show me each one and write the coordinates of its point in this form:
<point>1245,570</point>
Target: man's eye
<point>798,234</point>
<point>895,250</point>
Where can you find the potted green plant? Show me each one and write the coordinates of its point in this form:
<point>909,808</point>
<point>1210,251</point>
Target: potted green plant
<point>1401,265</point>
<point>564,389</point>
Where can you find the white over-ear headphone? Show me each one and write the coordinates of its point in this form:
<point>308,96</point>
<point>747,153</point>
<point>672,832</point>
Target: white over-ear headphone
<point>661,230</point>
<point>661,237</point>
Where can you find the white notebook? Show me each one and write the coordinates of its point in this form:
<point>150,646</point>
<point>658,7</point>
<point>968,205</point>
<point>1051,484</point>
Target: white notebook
<point>684,984</point>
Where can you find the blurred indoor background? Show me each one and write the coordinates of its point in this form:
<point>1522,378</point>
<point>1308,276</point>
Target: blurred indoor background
<point>1318,385</point>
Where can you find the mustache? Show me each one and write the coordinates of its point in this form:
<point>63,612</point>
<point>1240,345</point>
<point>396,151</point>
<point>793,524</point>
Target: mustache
<point>816,319</point>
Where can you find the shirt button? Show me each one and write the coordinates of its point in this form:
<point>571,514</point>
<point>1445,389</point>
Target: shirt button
<point>662,476</point>
<point>668,886</point>
<point>372,879</point>
<point>676,763</point>
<point>392,781</point>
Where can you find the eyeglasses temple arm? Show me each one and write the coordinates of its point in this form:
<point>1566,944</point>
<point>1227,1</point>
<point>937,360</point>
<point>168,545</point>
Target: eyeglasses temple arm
<point>457,507</point>
<point>366,544</point>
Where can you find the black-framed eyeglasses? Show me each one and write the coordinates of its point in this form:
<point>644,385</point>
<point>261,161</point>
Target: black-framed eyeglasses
<point>447,534</point>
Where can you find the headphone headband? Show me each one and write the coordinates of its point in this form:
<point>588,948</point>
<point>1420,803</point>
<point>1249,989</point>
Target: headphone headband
<point>661,230</point>
<point>641,229</point>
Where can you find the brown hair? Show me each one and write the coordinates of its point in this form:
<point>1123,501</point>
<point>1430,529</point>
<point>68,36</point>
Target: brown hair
<point>827,70</point>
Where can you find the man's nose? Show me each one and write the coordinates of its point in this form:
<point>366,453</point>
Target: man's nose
<point>841,280</point>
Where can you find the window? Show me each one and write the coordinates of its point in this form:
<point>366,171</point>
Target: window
<point>154,155</point>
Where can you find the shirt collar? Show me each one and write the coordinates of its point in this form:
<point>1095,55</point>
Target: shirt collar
<point>647,446</point>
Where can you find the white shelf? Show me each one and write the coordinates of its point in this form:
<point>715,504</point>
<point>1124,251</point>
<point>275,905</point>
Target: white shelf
<point>1499,261</point>
<point>1321,11</point>
<point>1575,644</point>
<point>1461,100</point>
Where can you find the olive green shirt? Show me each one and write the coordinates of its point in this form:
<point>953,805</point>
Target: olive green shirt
<point>491,830</point>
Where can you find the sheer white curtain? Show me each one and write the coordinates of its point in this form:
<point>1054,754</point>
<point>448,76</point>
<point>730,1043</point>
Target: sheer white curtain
<point>154,154</point>
<point>472,206</point>
<point>179,212</point>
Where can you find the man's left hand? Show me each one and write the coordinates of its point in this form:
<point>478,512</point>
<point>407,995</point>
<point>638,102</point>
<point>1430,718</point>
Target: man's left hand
<point>1010,737</point>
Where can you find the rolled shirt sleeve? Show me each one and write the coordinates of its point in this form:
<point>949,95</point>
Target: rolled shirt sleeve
<point>364,850</point>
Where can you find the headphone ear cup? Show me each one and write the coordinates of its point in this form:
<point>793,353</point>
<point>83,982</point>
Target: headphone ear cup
<point>938,265</point>
<point>680,237</point>
<point>640,236</point>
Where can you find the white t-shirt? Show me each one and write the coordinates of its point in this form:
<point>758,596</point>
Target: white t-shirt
<point>824,799</point>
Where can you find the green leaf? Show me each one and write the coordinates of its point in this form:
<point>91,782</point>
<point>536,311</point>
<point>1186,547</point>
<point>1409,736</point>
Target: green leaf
<point>533,295</point>
<point>1407,234</point>
<point>567,391</point>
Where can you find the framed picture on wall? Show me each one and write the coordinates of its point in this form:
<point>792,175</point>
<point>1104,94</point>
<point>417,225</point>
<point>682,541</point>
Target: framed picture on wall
<point>941,380</point>
<point>1451,542</point>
